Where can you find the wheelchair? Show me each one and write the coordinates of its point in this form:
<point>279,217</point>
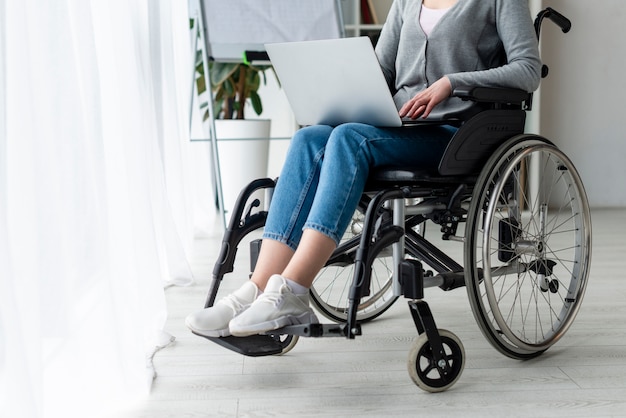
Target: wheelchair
<point>526,243</point>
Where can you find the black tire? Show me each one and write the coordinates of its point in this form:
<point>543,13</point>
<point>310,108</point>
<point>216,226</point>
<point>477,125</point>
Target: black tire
<point>421,364</point>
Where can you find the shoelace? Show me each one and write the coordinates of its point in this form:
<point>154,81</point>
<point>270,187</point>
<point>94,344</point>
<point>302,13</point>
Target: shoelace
<point>273,298</point>
<point>233,303</point>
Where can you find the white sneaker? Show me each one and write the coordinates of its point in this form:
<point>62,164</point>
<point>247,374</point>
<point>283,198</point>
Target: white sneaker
<point>213,321</point>
<point>277,307</point>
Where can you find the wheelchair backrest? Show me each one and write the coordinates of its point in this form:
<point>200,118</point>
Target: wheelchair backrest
<point>477,139</point>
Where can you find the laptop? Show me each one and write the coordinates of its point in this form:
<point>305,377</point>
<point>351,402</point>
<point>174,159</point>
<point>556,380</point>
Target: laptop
<point>334,81</point>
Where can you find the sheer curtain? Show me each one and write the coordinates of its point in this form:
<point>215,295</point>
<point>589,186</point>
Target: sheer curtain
<point>95,197</point>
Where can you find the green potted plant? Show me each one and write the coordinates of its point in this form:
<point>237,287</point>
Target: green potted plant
<point>233,85</point>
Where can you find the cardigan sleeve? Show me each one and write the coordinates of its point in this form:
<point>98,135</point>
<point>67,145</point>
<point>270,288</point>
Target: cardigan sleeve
<point>523,67</point>
<point>387,46</point>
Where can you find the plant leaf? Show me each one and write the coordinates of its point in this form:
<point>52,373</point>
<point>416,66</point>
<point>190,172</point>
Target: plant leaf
<point>255,99</point>
<point>220,72</point>
<point>200,85</point>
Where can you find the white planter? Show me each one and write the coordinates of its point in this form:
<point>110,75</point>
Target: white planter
<point>243,147</point>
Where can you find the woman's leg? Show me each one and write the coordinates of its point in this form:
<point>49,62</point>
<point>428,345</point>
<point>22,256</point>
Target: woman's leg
<point>314,250</point>
<point>349,153</point>
<point>291,202</point>
<point>290,205</point>
<point>285,300</point>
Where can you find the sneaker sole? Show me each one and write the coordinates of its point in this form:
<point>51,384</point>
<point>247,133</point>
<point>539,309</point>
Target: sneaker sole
<point>283,321</point>
<point>209,333</point>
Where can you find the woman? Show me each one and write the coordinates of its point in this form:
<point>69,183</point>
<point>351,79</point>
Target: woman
<point>426,49</point>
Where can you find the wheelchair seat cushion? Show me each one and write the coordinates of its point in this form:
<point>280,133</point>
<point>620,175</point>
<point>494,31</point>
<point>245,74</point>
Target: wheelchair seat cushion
<point>384,177</point>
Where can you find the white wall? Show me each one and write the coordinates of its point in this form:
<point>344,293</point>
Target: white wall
<point>582,101</point>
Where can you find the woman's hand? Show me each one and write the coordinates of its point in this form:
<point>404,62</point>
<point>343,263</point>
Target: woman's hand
<point>424,101</point>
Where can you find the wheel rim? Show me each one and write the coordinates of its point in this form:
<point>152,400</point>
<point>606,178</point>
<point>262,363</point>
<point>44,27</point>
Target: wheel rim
<point>526,304</point>
<point>331,287</point>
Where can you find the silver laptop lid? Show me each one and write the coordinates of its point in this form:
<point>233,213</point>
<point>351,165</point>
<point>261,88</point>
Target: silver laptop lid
<point>334,81</point>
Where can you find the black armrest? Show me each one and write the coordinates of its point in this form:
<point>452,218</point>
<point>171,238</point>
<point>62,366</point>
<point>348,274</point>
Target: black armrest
<point>491,95</point>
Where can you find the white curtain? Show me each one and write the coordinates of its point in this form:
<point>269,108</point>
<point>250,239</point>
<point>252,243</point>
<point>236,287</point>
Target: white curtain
<point>95,197</point>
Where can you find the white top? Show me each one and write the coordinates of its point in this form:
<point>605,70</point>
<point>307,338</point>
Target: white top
<point>430,17</point>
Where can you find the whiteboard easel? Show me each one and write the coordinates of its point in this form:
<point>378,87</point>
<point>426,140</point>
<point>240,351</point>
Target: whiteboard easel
<point>226,30</point>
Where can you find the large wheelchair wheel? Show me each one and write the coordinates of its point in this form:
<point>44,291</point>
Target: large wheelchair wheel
<point>331,287</point>
<point>527,246</point>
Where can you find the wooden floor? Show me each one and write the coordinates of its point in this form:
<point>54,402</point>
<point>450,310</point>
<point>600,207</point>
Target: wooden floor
<point>584,375</point>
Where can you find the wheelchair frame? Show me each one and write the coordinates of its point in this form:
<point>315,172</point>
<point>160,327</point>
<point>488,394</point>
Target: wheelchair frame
<point>514,245</point>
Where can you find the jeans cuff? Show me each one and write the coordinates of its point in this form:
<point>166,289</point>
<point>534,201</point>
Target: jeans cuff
<point>280,238</point>
<point>323,230</point>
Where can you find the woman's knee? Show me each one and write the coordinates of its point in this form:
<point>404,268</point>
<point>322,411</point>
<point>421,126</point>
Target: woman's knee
<point>314,137</point>
<point>350,139</point>
<point>306,149</point>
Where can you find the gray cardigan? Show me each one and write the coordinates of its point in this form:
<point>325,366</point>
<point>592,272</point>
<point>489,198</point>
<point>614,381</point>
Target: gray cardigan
<point>488,43</point>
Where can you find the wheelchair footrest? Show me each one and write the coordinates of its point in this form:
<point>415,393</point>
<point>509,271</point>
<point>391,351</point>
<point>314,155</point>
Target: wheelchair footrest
<point>269,344</point>
<point>252,346</point>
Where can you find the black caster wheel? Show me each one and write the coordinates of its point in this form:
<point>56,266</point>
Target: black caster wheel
<point>288,342</point>
<point>423,369</point>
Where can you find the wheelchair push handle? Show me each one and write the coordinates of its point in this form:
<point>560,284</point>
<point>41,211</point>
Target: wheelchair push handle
<point>561,21</point>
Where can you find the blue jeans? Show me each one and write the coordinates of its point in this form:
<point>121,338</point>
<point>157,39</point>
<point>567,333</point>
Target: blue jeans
<point>326,169</point>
